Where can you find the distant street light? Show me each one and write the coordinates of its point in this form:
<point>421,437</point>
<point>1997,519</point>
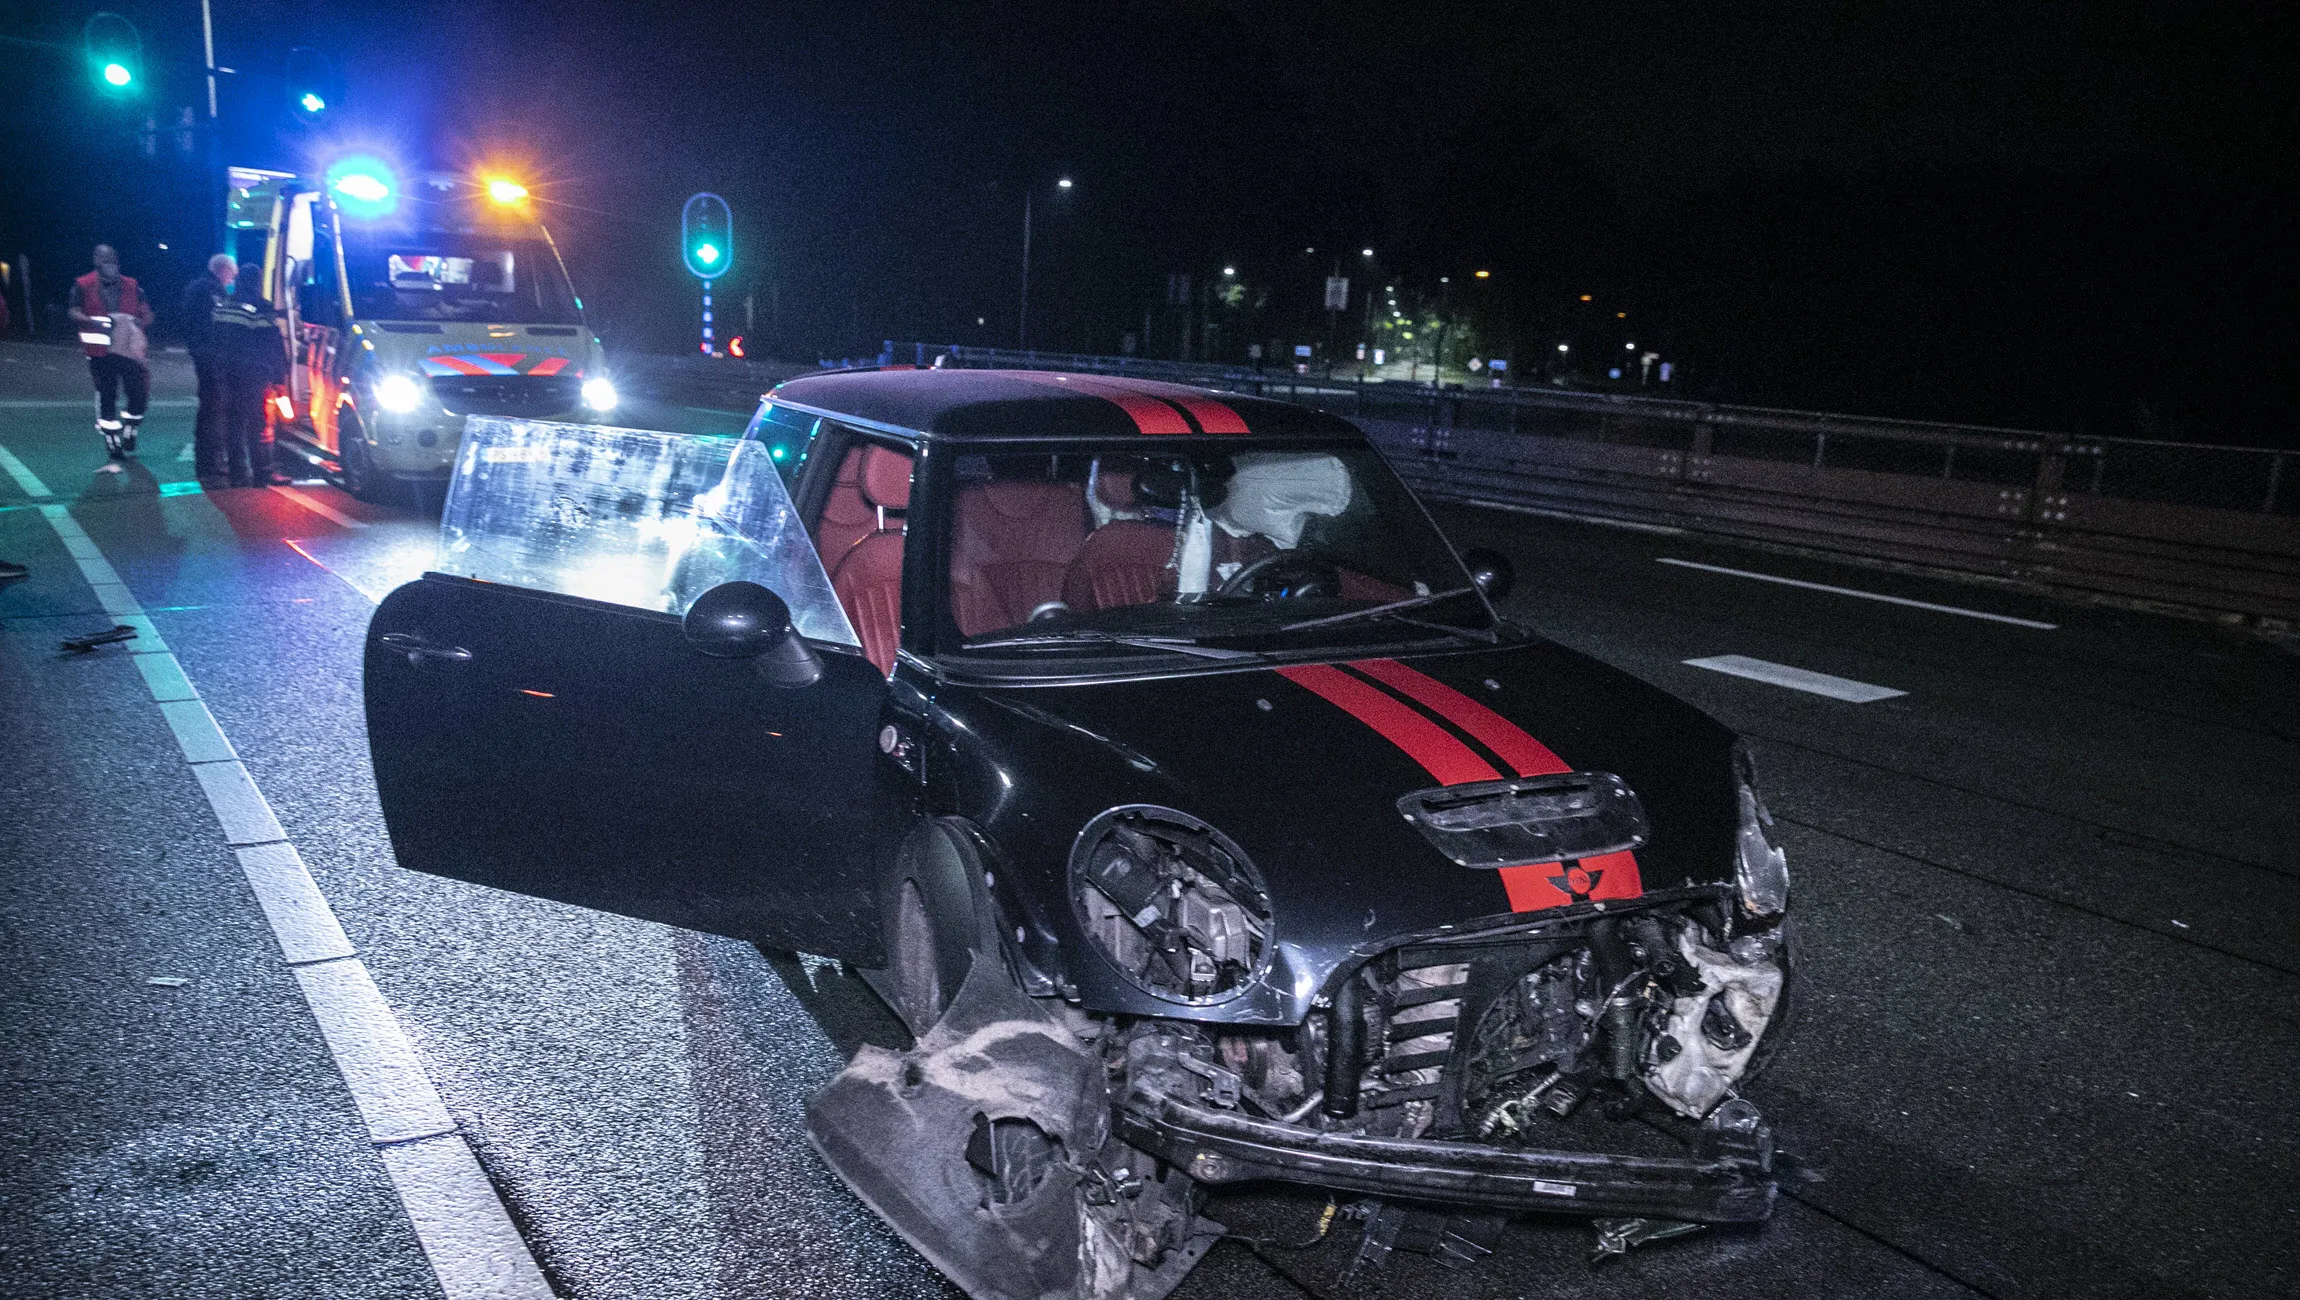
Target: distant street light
<point>1562,348</point>
<point>1365,252</point>
<point>1229,270</point>
<point>1485,275</point>
<point>1022,316</point>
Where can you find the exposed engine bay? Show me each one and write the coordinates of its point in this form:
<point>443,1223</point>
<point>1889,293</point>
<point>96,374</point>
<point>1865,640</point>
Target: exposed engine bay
<point>1481,1070</point>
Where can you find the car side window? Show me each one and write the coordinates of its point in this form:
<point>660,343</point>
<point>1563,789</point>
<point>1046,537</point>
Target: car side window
<point>649,520</point>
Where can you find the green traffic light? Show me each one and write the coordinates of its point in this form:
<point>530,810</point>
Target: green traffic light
<point>312,103</point>
<point>707,254</point>
<point>117,74</point>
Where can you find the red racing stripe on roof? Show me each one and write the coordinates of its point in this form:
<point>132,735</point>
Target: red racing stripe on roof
<point>1212,416</point>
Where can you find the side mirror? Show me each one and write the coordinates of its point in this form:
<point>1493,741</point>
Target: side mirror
<point>743,620</point>
<point>1490,570</point>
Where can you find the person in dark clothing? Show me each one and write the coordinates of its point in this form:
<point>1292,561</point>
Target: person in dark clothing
<point>197,308</point>
<point>112,315</point>
<point>249,359</point>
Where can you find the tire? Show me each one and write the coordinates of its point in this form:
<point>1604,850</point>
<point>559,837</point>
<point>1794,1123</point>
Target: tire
<point>914,968</point>
<point>932,922</point>
<point>357,475</point>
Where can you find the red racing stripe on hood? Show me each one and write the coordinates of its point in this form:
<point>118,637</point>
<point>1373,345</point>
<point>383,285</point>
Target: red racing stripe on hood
<point>1531,888</point>
<point>1445,758</point>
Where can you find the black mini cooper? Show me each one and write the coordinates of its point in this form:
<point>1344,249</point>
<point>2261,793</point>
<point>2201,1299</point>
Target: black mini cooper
<point>1156,758</point>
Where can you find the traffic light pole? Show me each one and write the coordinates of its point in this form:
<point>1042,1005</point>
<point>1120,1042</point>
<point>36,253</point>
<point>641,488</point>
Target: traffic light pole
<point>707,349</point>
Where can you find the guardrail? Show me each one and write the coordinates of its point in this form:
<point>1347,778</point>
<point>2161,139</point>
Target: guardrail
<point>2199,529</point>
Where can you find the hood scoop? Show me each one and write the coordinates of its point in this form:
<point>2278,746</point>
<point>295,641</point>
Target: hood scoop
<point>1562,817</point>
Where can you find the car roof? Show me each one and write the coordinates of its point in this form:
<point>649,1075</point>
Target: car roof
<point>1005,405</point>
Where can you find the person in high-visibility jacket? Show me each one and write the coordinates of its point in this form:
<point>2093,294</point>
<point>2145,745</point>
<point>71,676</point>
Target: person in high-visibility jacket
<point>112,316</point>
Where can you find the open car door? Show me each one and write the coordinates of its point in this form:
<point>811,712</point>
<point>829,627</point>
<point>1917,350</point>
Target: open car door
<point>543,719</point>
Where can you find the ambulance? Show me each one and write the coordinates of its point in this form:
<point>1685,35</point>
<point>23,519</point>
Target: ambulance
<point>406,306</point>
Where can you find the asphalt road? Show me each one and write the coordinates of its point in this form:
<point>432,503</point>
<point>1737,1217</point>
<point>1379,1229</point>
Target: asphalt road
<point>2047,899</point>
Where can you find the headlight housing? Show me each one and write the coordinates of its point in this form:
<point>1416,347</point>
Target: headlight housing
<point>398,394</point>
<point>1172,903</point>
<point>599,394</point>
<point>1760,868</point>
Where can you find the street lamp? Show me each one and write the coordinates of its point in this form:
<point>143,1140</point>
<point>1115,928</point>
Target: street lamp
<point>1022,317</point>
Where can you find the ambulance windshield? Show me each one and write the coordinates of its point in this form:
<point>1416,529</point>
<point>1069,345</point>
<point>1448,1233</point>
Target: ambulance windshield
<point>448,277</point>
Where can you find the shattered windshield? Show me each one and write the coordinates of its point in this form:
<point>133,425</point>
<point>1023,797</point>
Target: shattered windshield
<point>1202,549</point>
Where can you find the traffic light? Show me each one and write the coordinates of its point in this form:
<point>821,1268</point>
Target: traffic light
<point>115,51</point>
<point>706,232</point>
<point>311,88</point>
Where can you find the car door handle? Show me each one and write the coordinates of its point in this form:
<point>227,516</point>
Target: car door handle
<point>417,649</point>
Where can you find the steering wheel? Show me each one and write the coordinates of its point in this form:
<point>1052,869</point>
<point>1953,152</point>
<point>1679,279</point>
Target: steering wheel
<point>1311,576</point>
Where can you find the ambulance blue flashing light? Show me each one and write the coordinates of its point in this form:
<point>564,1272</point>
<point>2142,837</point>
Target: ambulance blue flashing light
<point>363,187</point>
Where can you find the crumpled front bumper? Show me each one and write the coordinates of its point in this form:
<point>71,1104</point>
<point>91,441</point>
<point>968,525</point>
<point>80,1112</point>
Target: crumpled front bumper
<point>1727,1179</point>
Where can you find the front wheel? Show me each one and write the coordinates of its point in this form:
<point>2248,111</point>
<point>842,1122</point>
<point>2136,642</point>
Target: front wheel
<point>356,474</point>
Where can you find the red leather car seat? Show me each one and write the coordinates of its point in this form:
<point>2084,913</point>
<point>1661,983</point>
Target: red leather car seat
<point>1124,562</point>
<point>868,578</point>
<point>846,517</point>
<point>1011,547</point>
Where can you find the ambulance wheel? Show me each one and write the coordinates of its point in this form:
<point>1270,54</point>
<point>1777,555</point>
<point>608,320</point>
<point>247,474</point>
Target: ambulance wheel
<point>357,475</point>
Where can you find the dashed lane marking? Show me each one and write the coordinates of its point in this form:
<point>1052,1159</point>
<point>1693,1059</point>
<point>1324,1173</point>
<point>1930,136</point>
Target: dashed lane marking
<point>474,1249</point>
<point>1796,679</point>
<point>1959,610</point>
<point>26,481</point>
<point>319,507</point>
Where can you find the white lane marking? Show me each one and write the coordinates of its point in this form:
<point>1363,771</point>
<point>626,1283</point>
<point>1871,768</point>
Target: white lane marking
<point>1796,679</point>
<point>196,731</point>
<point>387,1081</point>
<point>1661,530</point>
<point>116,599</point>
<point>474,1249</point>
<point>26,481</point>
<point>300,917</point>
<point>165,677</point>
<point>239,807</point>
<point>319,507</point>
<point>1864,595</point>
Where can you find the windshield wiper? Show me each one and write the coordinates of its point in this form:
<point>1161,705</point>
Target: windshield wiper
<point>1392,608</point>
<point>1092,636</point>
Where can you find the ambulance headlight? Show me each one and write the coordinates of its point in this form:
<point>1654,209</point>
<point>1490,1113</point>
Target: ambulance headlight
<point>398,394</point>
<point>599,395</point>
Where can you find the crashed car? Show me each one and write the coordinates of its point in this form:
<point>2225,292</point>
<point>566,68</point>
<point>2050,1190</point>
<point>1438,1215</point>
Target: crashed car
<point>1159,762</point>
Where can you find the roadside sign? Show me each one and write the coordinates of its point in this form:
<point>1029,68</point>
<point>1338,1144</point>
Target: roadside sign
<point>1301,349</point>
<point>1337,292</point>
<point>1497,364</point>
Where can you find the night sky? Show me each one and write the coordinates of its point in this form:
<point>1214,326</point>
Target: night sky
<point>2034,216</point>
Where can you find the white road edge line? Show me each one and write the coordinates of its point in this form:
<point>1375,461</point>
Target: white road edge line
<point>474,1249</point>
<point>1864,595</point>
<point>26,480</point>
<point>1796,679</point>
<point>319,507</point>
